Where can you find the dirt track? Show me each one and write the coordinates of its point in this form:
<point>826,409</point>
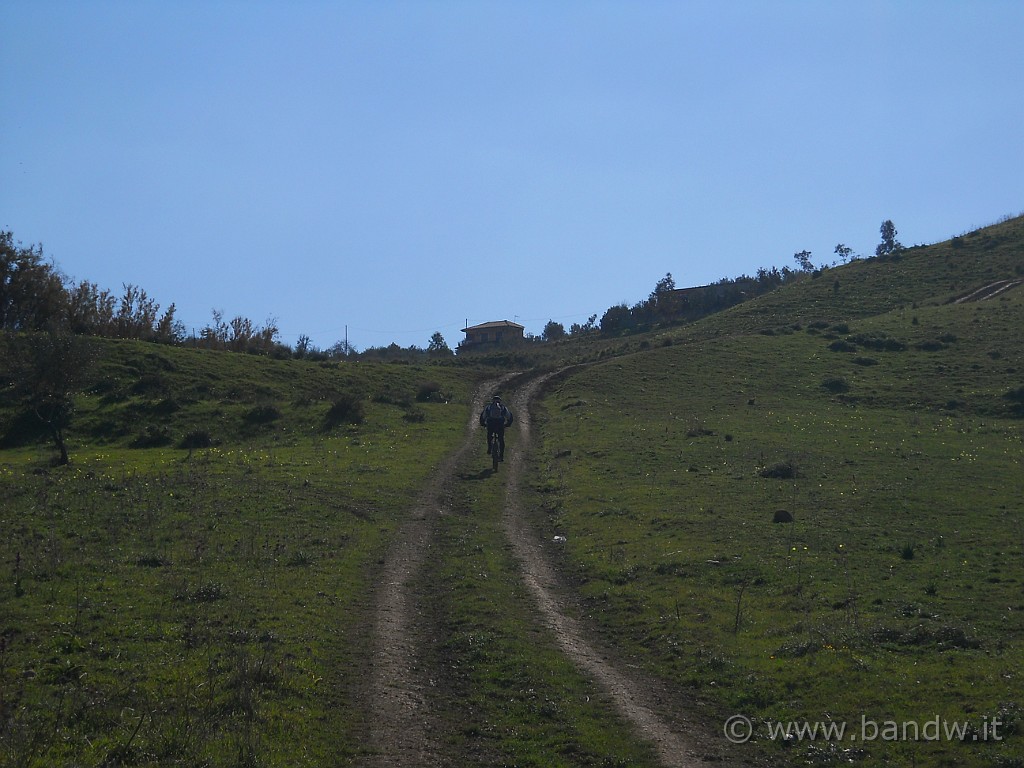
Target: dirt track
<point>402,733</point>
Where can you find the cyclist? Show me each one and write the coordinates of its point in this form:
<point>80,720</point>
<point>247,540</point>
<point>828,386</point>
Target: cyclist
<point>496,416</point>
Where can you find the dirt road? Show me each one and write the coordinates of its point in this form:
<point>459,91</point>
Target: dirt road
<point>402,730</point>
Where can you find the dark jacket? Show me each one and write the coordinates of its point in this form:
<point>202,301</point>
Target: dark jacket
<point>496,414</point>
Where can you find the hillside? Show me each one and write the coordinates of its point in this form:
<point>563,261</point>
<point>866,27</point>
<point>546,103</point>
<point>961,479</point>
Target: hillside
<point>139,394</point>
<point>206,562</point>
<point>262,562</point>
<point>884,421</point>
<point>922,275</point>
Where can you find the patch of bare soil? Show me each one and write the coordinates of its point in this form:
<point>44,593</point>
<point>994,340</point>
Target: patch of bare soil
<point>989,291</point>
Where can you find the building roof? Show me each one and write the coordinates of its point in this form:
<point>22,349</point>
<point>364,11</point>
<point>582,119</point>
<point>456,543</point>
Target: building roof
<point>493,324</point>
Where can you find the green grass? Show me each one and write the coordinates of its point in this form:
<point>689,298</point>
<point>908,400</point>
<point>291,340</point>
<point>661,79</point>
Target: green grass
<point>167,608</point>
<point>930,275</point>
<point>152,396</point>
<point>896,593</point>
<point>510,695</point>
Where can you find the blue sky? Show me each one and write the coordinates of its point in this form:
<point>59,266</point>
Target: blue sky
<point>400,168</point>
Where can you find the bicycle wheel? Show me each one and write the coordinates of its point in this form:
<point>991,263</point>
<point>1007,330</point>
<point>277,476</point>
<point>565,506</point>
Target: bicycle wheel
<point>494,453</point>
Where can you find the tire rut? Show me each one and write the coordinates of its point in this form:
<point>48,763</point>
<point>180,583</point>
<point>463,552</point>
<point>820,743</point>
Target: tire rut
<point>633,698</point>
<point>402,732</point>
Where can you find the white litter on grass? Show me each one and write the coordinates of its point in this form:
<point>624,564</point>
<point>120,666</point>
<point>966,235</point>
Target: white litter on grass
<point>559,539</point>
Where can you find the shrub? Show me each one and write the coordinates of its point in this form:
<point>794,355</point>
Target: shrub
<point>881,342</point>
<point>205,593</point>
<point>1015,395</point>
<point>842,346</point>
<point>391,396</point>
<point>152,437</point>
<point>697,429</point>
<point>428,391</point>
<point>415,415</point>
<point>152,561</point>
<point>198,438</point>
<point>165,407</point>
<point>783,470</point>
<point>299,559</point>
<point>263,414</point>
<point>346,409</point>
<point>945,636</point>
<point>148,383</point>
<point>835,384</point>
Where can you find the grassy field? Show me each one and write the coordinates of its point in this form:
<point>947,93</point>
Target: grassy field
<point>168,607</point>
<point>896,593</point>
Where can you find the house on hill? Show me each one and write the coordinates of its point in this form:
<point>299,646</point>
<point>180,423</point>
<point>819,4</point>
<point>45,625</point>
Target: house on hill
<point>495,332</point>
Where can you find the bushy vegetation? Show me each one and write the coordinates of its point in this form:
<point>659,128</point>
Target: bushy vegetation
<point>36,296</point>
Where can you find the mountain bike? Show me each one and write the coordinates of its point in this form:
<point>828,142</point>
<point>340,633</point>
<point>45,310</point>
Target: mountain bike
<point>494,448</point>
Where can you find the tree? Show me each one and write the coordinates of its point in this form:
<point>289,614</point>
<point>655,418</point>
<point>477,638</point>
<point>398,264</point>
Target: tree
<point>889,245</point>
<point>553,331</point>
<point>341,349</point>
<point>578,330</point>
<point>240,334</point>
<point>136,316</point>
<point>53,368</point>
<point>844,252</point>
<point>36,296</point>
<point>168,329</point>
<point>662,303</point>
<point>664,286</point>
<point>437,345</point>
<point>616,319</point>
<point>32,293</point>
<point>803,260</point>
